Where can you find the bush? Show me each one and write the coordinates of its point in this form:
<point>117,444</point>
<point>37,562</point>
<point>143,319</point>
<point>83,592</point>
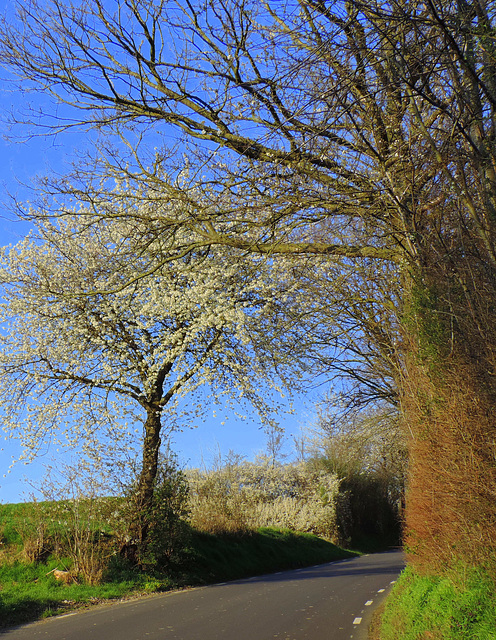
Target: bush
<point>168,530</point>
<point>74,524</point>
<point>38,542</point>
<point>164,521</point>
<point>245,496</point>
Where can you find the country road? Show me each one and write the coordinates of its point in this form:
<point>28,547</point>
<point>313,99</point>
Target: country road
<point>326,602</point>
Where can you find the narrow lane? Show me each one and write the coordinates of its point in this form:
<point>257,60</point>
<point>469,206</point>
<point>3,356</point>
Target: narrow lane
<point>325,602</point>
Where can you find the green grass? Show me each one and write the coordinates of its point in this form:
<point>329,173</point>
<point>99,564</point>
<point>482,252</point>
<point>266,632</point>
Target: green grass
<point>11,516</point>
<point>28,593</point>
<point>460,607</point>
<point>227,557</point>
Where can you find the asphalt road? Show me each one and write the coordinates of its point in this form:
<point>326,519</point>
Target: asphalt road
<point>326,602</point>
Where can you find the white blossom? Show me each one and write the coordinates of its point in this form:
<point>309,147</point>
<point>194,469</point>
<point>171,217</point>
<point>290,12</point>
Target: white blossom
<point>88,347</point>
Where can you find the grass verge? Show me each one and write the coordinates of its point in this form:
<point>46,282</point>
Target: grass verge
<point>29,592</point>
<point>461,606</point>
<point>227,557</point>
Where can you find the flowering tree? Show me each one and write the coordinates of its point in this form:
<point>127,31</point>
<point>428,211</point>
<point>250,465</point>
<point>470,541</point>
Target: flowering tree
<point>87,347</point>
<point>249,495</point>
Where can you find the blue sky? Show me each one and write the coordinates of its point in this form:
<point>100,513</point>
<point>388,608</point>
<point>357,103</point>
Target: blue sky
<point>20,162</point>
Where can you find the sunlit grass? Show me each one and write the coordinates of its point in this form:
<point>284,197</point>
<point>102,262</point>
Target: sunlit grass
<point>457,607</point>
<point>29,590</point>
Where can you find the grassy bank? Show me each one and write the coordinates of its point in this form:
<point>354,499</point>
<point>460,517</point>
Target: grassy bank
<point>460,607</point>
<point>28,590</point>
<point>215,558</point>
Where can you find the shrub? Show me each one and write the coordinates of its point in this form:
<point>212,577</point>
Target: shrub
<point>74,522</point>
<point>164,521</point>
<point>246,496</point>
<point>168,529</point>
<point>37,541</point>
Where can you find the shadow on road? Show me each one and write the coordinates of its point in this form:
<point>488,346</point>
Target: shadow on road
<point>348,567</point>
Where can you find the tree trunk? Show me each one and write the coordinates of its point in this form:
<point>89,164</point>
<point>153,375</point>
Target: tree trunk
<point>143,499</point>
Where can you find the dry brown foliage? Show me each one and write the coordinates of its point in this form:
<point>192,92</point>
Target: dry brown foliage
<point>451,514</point>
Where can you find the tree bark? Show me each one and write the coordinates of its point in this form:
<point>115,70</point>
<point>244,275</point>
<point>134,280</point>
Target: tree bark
<point>142,502</point>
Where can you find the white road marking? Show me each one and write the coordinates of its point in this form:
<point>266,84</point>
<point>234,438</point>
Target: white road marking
<point>357,621</point>
<point>381,590</point>
<point>368,603</point>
